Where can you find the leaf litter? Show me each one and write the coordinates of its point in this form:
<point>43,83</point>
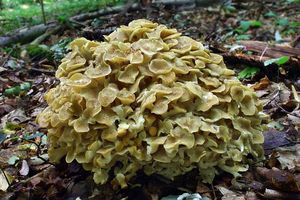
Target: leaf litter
<point>26,172</point>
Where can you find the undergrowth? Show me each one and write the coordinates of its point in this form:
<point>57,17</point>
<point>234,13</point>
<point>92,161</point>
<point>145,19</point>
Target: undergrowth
<point>20,13</point>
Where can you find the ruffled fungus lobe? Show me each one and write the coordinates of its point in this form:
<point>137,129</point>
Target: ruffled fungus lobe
<point>150,99</point>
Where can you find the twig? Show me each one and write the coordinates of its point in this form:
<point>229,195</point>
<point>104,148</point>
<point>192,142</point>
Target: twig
<point>277,93</point>
<point>285,111</point>
<point>51,72</point>
<point>78,23</point>
<point>30,178</point>
<point>263,53</point>
<point>39,151</point>
<point>214,192</point>
<point>44,36</point>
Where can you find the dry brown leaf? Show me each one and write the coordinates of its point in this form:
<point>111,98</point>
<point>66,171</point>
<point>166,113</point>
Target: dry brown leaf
<point>262,84</point>
<point>230,195</point>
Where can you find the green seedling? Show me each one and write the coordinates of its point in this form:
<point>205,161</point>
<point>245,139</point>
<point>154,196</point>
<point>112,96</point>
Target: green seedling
<point>279,61</point>
<point>248,72</point>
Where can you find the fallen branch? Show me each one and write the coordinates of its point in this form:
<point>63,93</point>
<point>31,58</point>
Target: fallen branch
<point>26,34</point>
<point>101,12</point>
<point>254,60</point>
<point>268,50</point>
<point>45,71</point>
<point>47,34</point>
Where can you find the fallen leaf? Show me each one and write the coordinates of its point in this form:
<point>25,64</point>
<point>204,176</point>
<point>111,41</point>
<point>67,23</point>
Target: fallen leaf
<point>16,116</point>
<point>12,160</point>
<point>5,108</point>
<point>230,195</point>
<point>4,178</point>
<point>275,125</point>
<point>296,96</point>
<point>35,181</point>
<point>262,84</point>
<point>274,139</point>
<point>251,196</point>
<point>261,93</point>
<point>2,69</point>
<point>37,160</point>
<point>284,93</point>
<point>289,157</point>
<point>184,196</point>
<point>24,169</point>
<point>294,118</point>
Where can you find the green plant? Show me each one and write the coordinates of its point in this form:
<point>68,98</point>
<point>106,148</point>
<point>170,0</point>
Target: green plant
<point>243,37</point>
<point>37,52</point>
<point>246,25</point>
<point>279,61</point>
<point>21,13</point>
<point>60,49</point>
<point>17,90</point>
<point>248,72</point>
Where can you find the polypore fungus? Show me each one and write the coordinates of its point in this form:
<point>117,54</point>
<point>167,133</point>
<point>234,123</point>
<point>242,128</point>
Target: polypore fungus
<point>150,99</point>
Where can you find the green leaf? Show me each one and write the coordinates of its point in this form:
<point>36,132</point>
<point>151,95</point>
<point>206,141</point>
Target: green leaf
<point>245,25</point>
<point>275,125</point>
<point>14,91</point>
<point>282,60</point>
<point>294,24</point>
<point>283,21</point>
<point>12,160</point>
<point>248,72</point>
<point>60,49</point>
<point>270,14</point>
<point>279,61</point>
<point>33,136</point>
<point>25,86</point>
<point>243,37</point>
<point>17,90</point>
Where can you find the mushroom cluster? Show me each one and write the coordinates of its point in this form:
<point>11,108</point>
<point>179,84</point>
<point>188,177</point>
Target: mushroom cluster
<point>148,98</point>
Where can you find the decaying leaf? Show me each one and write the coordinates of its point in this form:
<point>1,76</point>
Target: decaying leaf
<point>296,96</point>
<point>289,157</point>
<point>230,195</point>
<point>5,180</point>
<point>24,169</point>
<point>274,139</point>
<point>262,84</point>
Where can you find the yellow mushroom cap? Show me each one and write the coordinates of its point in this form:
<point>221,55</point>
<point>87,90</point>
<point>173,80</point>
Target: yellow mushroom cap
<point>148,98</point>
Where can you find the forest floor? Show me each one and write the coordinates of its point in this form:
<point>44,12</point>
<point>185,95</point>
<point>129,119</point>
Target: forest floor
<point>19,13</point>
<point>259,39</point>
